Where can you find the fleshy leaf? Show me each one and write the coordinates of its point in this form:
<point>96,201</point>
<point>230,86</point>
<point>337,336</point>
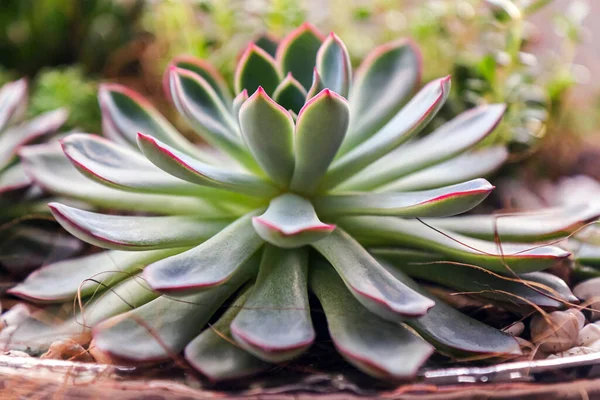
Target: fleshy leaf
<point>387,76</point>
<point>587,254</point>
<point>187,168</point>
<point>320,129</point>
<point>333,65</point>
<point>133,233</point>
<point>410,120</point>
<point>61,281</point>
<point>13,179</point>
<point>13,100</point>
<point>215,354</point>
<point>297,53</point>
<point>203,68</point>
<point>471,165</point>
<point>256,68</point>
<point>374,345</point>
<point>373,286</point>
<point>268,129</point>
<point>389,231</point>
<point>275,324</point>
<point>316,87</point>
<point>239,100</point>
<point>210,264</point>
<point>163,327</point>
<point>290,221</point>
<point>268,43</point>
<point>442,202</point>
<point>446,142</point>
<point>290,94</point>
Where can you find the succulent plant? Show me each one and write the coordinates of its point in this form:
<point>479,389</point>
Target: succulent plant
<point>312,183</point>
<point>25,244</point>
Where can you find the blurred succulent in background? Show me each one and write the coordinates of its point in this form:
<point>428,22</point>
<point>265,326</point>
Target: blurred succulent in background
<point>304,190</point>
<point>25,244</point>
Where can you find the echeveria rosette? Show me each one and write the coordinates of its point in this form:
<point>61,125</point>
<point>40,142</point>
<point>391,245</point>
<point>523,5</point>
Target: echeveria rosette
<point>25,243</point>
<point>315,186</point>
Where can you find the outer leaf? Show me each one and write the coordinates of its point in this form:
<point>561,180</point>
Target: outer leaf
<point>430,267</point>
<point>446,142</point>
<point>61,281</point>
<point>13,179</point>
<point>203,68</point>
<point>210,264</point>
<point>49,168</point>
<point>376,346</point>
<point>320,130</point>
<point>187,168</point>
<point>125,113</point>
<point>215,354</point>
<point>135,233</point>
<point>410,120</point>
<point>256,68</point>
<point>297,52</point>
<point>164,326</point>
<point>387,231</point>
<point>275,323</point>
<point>290,94</point>
<point>333,64</point>
<point>316,87</point>
<point>475,164</point>
<point>383,82</point>
<point>587,254</point>
<point>373,286</point>
<point>267,129</point>
<point>442,202</point>
<point>13,99</point>
<point>290,221</point>
<point>268,43</point>
<point>237,103</point>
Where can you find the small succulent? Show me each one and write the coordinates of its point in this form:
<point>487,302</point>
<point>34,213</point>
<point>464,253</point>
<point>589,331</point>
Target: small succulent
<point>24,244</point>
<point>314,182</point>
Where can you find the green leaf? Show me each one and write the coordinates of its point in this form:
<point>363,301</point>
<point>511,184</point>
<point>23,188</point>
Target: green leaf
<point>256,68</point>
<point>316,87</point>
<point>320,129</point>
<point>389,231</point>
<point>13,100</point>
<point>383,82</point>
<point>268,43</point>
<point>210,264</point>
<point>537,287</point>
<point>62,281</point>
<point>215,354</point>
<point>290,94</point>
<point>160,329</point>
<point>50,168</point>
<point>373,286</point>
<point>297,53</point>
<point>189,169</point>
<point>333,65</point>
<point>378,347</point>
<point>442,202</point>
<point>204,69</point>
<point>445,143</point>
<point>135,233</point>
<point>125,113</point>
<point>268,129</point>
<point>290,221</point>
<point>471,165</point>
<point>409,121</point>
<point>275,324</point>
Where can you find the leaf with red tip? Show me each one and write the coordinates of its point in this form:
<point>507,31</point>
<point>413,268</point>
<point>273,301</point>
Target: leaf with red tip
<point>410,120</point>
<point>297,52</point>
<point>209,264</point>
<point>373,286</point>
<point>442,202</point>
<point>320,130</point>
<point>474,164</point>
<point>133,233</point>
<point>290,221</point>
<point>378,347</point>
<point>274,324</point>
<point>385,79</point>
<point>163,327</point>
<point>268,129</point>
<point>316,87</point>
<point>389,231</point>
<point>13,100</point>
<point>256,68</point>
<point>290,94</point>
<point>333,65</point>
<point>189,169</point>
<point>445,143</point>
<point>203,68</point>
